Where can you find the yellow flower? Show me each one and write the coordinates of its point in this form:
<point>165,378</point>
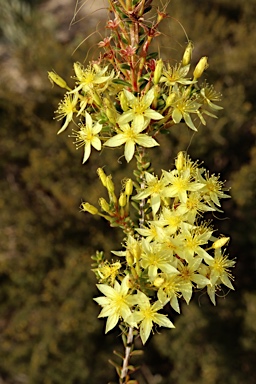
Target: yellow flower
<point>147,315</point>
<point>219,269</point>
<point>66,109</point>
<point>140,112</point>
<point>193,239</point>
<point>176,74</point>
<point>130,136</point>
<point>154,258</point>
<point>208,95</point>
<point>182,110</point>
<point>155,189</point>
<point>87,136</point>
<point>170,290</point>
<point>91,77</point>
<point>180,184</point>
<point>171,219</point>
<point>212,189</point>
<point>190,274</point>
<point>116,303</point>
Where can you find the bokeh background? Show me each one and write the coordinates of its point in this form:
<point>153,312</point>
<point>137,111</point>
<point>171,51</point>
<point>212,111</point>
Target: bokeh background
<point>49,332</point>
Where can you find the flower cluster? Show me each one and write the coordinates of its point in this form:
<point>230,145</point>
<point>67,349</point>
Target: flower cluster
<point>129,106</point>
<point>174,253</point>
<point>127,98</point>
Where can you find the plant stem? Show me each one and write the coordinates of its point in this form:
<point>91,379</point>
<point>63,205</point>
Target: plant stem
<point>128,349</point>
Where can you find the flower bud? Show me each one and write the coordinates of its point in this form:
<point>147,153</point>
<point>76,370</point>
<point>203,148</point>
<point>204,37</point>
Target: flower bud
<point>78,69</point>
<point>54,78</point>
<point>220,242</point>
<point>128,187</point>
<point>158,71</point>
<point>109,184</point>
<point>200,67</point>
<point>179,161</point>
<point>102,176</point>
<point>158,282</point>
<point>123,101</point>
<point>86,207</point>
<point>96,98</point>
<point>129,258</point>
<point>122,200</point>
<point>111,115</point>
<point>104,205</point>
<point>187,54</point>
<point>170,99</point>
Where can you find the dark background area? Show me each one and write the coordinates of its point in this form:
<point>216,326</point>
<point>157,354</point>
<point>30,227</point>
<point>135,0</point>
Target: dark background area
<point>49,331</point>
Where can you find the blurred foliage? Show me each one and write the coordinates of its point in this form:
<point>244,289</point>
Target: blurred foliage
<point>49,332</point>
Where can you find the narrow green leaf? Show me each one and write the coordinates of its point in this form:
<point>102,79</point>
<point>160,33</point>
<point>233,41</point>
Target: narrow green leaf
<point>122,82</point>
<point>152,55</point>
<point>125,66</point>
<point>118,354</point>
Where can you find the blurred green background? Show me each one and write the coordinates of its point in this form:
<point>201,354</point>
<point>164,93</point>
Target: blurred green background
<point>49,332</point>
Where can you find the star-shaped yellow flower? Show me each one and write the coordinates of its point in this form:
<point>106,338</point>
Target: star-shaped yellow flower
<point>148,315</point>
<point>139,109</point>
<point>130,135</point>
<point>116,303</point>
<point>66,109</point>
<point>87,136</point>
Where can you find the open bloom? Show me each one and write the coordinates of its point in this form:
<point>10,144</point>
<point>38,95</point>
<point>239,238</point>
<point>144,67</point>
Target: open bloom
<point>155,258</point>
<point>116,303</point>
<point>92,77</point>
<point>130,135</point>
<point>66,109</point>
<point>155,189</point>
<point>139,109</point>
<point>88,136</point>
<point>148,315</point>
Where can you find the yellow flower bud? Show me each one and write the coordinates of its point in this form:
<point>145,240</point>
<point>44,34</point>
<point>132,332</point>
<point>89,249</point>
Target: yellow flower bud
<point>122,200</point>
<point>158,71</point>
<point>109,184</point>
<point>137,251</point>
<point>129,258</point>
<point>96,98</point>
<point>111,115</point>
<point>102,176</point>
<point>123,101</point>
<point>200,67</point>
<point>86,207</point>
<point>170,99</point>
<point>78,69</point>
<point>158,282</point>
<point>179,161</point>
<point>187,54</point>
<point>104,205</point>
<point>128,187</point>
<point>54,78</point>
<point>220,242</point>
